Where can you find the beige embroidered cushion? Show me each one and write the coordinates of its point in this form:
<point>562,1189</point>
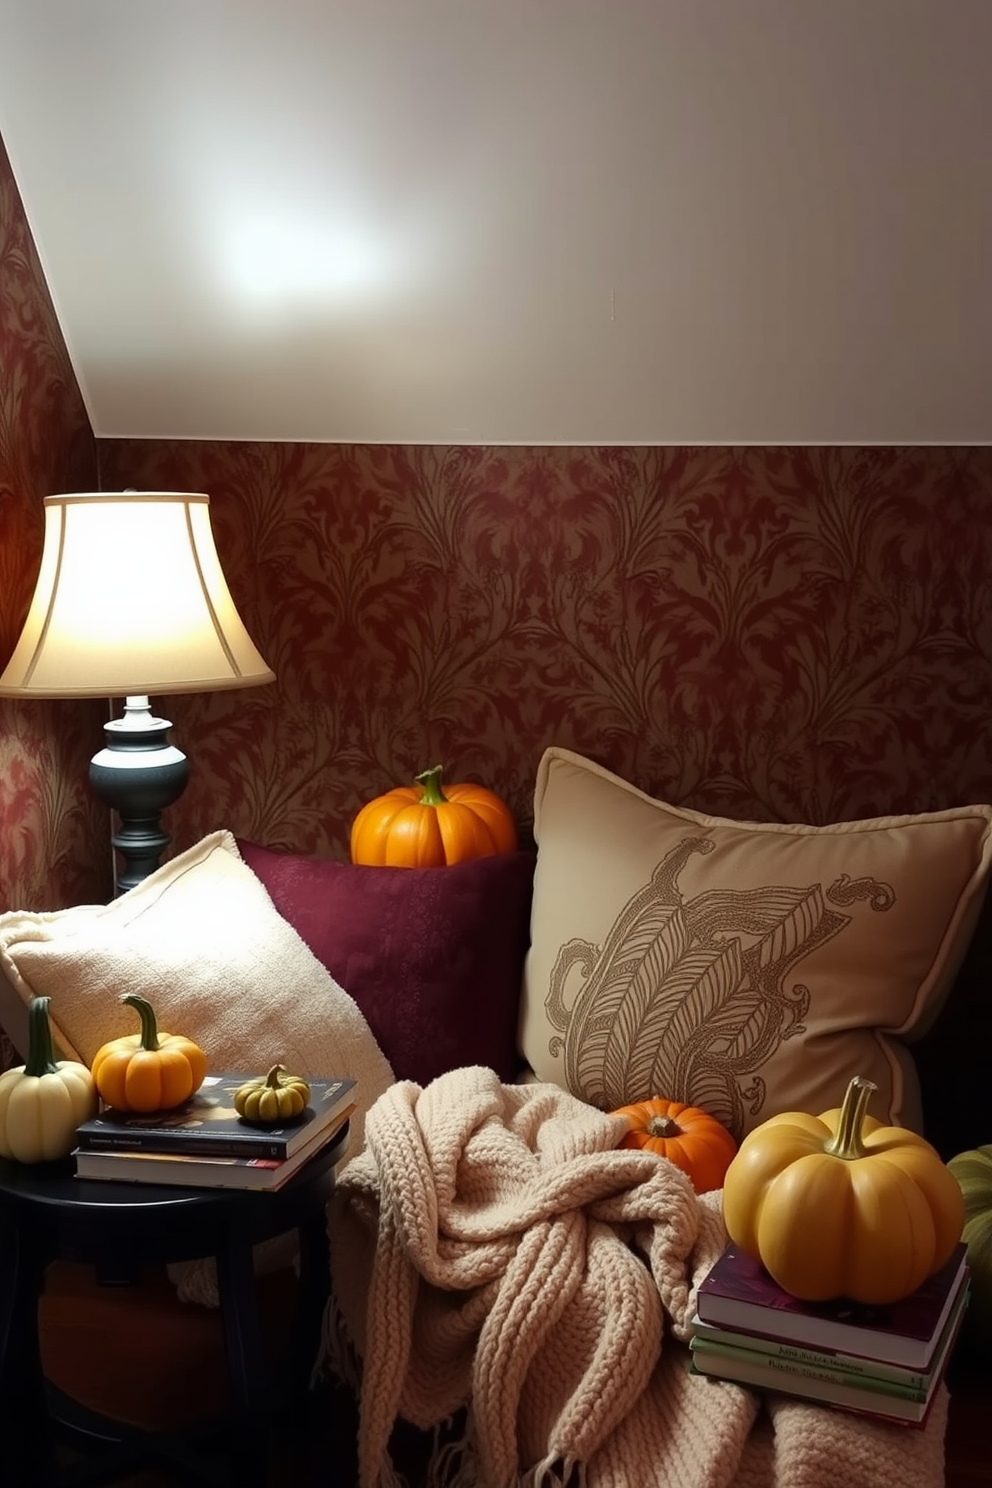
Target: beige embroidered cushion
<point>744,967</point>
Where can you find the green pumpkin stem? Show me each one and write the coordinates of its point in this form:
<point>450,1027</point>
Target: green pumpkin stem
<point>431,782</point>
<point>274,1078</point>
<point>41,1050</point>
<point>846,1141</point>
<point>149,1023</point>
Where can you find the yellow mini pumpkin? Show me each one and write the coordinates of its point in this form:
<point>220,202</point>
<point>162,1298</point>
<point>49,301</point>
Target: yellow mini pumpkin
<point>43,1100</point>
<point>148,1070</point>
<point>275,1098</point>
<point>686,1135</point>
<point>423,826</point>
<point>838,1205</point>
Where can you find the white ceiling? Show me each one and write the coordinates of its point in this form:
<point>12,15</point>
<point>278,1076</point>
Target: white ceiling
<point>513,221</point>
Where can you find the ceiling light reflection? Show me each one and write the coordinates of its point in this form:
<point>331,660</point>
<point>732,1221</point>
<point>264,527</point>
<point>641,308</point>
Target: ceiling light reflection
<point>274,266</point>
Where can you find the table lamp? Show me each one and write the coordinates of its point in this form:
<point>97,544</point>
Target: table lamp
<point>130,601</point>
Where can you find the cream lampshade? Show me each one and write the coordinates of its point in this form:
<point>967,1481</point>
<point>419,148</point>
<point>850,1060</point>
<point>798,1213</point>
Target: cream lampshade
<point>130,601</point>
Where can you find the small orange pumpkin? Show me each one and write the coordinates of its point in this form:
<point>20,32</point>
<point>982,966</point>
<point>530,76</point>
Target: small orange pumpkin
<point>689,1137</point>
<point>423,826</point>
<point>150,1070</point>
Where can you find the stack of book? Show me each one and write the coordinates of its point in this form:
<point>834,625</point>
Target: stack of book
<point>884,1361</point>
<point>206,1144</point>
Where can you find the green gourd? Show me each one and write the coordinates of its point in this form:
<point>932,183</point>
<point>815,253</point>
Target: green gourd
<point>273,1099</point>
<point>973,1171</point>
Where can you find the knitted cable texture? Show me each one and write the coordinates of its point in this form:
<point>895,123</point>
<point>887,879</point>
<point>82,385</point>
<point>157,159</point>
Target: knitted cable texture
<point>492,1249</point>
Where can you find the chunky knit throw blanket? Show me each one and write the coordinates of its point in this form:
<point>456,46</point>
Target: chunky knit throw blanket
<point>492,1249</point>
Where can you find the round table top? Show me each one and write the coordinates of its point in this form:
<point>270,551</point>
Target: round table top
<point>50,1199</point>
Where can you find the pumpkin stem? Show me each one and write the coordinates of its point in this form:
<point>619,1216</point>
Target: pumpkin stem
<point>663,1126</point>
<point>149,1023</point>
<point>431,782</point>
<point>846,1141</point>
<point>273,1079</point>
<point>41,1051</point>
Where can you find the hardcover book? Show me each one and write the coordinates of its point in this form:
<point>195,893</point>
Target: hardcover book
<point>865,1395</point>
<point>846,1365</point>
<point>207,1125</point>
<point>715,1351</point>
<point>185,1171</point>
<point>776,1373</point>
<point>824,1392</point>
<point>738,1293</point>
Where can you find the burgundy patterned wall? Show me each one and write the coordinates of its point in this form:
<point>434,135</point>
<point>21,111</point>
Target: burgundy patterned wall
<point>54,845</point>
<point>800,634</point>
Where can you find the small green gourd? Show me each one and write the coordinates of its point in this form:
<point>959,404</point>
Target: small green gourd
<point>273,1099</point>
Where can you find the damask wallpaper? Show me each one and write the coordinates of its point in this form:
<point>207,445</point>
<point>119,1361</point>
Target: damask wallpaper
<point>793,634</point>
<point>783,633</point>
<point>53,837</point>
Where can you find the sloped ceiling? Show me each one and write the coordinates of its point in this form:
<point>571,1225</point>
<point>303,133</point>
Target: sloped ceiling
<point>513,221</point>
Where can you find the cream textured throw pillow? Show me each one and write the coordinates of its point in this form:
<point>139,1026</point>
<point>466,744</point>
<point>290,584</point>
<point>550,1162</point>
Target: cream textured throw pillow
<point>202,940</point>
<point>747,968</point>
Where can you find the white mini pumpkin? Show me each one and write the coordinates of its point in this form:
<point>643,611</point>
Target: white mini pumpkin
<point>43,1101</point>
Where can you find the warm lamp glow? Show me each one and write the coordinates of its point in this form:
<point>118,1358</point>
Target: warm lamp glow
<point>131,598</point>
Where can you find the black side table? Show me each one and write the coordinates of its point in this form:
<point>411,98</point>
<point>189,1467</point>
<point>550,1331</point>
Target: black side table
<point>48,1214</point>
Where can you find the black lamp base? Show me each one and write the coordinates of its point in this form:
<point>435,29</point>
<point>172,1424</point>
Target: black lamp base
<point>138,773</point>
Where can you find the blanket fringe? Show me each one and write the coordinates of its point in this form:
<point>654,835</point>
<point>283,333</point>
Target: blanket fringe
<point>454,1463</point>
<point>337,1357</point>
<point>388,1475</point>
<point>554,1472</point>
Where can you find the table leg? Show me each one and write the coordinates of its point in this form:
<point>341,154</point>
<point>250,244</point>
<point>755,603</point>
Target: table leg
<point>250,1413</point>
<point>315,1288</point>
<point>23,1411</point>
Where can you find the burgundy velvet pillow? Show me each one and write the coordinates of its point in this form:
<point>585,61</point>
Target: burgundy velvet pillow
<point>433,956</point>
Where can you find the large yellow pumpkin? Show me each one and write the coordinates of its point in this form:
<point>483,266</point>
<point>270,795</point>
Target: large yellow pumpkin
<point>423,826</point>
<point>838,1205</point>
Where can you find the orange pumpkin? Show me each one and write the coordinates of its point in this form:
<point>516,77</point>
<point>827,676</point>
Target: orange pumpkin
<point>690,1138</point>
<point>150,1070</point>
<point>423,826</point>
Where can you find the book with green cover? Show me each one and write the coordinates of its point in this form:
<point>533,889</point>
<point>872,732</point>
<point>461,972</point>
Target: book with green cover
<point>836,1361</point>
<point>853,1397</point>
<point>207,1125</point>
<point>865,1394</point>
